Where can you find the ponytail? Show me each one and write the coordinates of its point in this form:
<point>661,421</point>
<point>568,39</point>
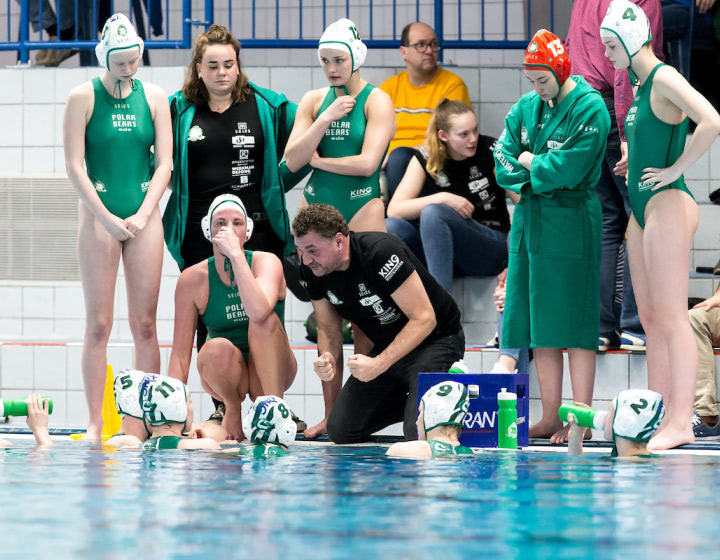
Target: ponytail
<point>435,148</point>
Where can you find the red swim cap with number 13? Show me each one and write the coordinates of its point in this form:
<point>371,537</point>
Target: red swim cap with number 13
<point>546,50</point>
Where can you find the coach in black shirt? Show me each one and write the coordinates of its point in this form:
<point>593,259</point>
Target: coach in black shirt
<point>375,281</point>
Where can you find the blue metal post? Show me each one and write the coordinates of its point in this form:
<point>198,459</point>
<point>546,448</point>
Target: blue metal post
<point>24,30</point>
<point>187,23</point>
<point>439,26</point>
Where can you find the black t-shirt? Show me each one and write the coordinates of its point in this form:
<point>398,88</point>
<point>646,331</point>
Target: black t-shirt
<point>225,156</point>
<point>379,264</point>
<point>474,179</point>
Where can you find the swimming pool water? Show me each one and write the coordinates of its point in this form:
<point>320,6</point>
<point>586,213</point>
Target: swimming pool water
<point>75,501</point>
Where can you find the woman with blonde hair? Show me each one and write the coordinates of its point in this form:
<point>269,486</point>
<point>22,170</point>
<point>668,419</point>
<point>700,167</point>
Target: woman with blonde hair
<point>463,225</point>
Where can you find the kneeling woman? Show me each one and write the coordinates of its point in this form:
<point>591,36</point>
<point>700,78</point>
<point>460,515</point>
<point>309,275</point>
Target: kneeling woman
<point>464,224</point>
<point>551,152</point>
<point>240,296</point>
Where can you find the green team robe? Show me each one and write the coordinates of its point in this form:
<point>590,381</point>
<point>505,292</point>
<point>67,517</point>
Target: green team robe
<point>553,298</point>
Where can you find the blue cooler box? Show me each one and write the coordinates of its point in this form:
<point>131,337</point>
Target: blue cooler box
<point>480,429</point>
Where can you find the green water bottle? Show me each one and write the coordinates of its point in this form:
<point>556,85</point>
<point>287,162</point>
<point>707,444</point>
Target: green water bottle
<point>584,415</point>
<point>507,419</point>
<point>18,407</point>
<point>459,367</point>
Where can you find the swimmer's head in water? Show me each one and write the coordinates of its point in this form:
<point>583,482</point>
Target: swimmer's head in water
<point>628,23</point>
<point>269,420</point>
<point>637,414</point>
<point>126,387</point>
<point>547,52</point>
<point>164,400</point>
<point>225,201</point>
<point>118,35</point>
<point>444,404</point>
<point>343,35</point>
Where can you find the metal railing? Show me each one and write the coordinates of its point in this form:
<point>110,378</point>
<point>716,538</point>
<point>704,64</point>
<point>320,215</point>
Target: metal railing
<point>493,32</point>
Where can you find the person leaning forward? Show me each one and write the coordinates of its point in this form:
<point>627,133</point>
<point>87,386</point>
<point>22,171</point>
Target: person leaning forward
<point>375,281</point>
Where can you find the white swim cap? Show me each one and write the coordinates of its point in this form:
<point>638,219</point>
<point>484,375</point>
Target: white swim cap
<point>163,400</point>
<point>638,413</point>
<point>127,391</point>
<point>269,421</point>
<point>117,35</point>
<point>344,36</point>
<point>627,22</point>
<point>223,201</point>
<point>445,404</point>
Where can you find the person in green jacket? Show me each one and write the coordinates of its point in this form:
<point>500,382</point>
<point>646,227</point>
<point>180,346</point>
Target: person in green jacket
<point>109,127</point>
<point>664,214</point>
<point>229,137</point>
<point>551,152</point>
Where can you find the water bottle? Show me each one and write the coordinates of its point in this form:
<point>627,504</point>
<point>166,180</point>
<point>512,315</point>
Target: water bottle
<point>507,419</point>
<point>584,415</point>
<point>459,367</point>
<point>18,407</point>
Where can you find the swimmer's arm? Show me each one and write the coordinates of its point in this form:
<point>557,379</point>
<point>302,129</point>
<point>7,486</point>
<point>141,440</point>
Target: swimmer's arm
<point>78,110</point>
<point>575,437</point>
<point>380,129</point>
<point>413,301</point>
<point>163,149</point>
<point>410,450</point>
<point>330,339</point>
<point>201,443</point>
<point>307,131</point>
<point>671,85</point>
<point>186,316</point>
<point>37,419</point>
<point>259,287</point>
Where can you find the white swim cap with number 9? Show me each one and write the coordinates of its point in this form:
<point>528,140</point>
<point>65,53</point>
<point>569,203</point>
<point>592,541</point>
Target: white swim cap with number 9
<point>445,404</point>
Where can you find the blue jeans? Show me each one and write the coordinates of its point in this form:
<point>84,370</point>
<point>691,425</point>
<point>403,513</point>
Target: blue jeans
<point>451,243</point>
<point>612,192</point>
<point>49,17</point>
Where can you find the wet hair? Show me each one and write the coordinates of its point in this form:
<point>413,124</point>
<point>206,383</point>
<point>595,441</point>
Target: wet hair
<point>435,148</point>
<point>450,431</point>
<point>323,219</point>
<point>194,89</point>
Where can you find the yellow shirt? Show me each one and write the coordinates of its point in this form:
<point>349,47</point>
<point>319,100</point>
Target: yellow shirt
<point>414,105</point>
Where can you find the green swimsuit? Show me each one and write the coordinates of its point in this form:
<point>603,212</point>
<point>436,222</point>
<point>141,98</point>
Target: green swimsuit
<point>117,149</point>
<point>161,442</point>
<point>651,143</point>
<point>344,137</point>
<point>440,449</point>
<point>225,315</point>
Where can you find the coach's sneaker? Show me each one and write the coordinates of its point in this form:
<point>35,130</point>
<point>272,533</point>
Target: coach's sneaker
<point>611,342</point>
<point>703,431</point>
<point>632,341</point>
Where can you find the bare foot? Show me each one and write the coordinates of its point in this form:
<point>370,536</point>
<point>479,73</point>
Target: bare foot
<point>317,430</point>
<point>232,423</point>
<point>94,433</point>
<point>544,429</point>
<point>671,437</point>
<point>561,436</point>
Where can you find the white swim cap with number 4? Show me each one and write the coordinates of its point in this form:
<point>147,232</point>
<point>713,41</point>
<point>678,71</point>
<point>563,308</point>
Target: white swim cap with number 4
<point>445,404</point>
<point>269,421</point>
<point>627,22</point>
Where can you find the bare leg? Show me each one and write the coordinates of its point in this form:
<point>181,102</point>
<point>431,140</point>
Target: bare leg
<point>142,260</point>
<point>667,239</point>
<point>271,360</point>
<point>582,377</point>
<point>549,365</point>
<point>370,217</point>
<point>224,375</point>
<point>98,259</point>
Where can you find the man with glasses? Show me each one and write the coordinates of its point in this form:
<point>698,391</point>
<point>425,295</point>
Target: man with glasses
<point>415,92</point>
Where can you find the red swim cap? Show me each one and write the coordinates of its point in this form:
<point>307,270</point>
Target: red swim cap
<point>548,51</point>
